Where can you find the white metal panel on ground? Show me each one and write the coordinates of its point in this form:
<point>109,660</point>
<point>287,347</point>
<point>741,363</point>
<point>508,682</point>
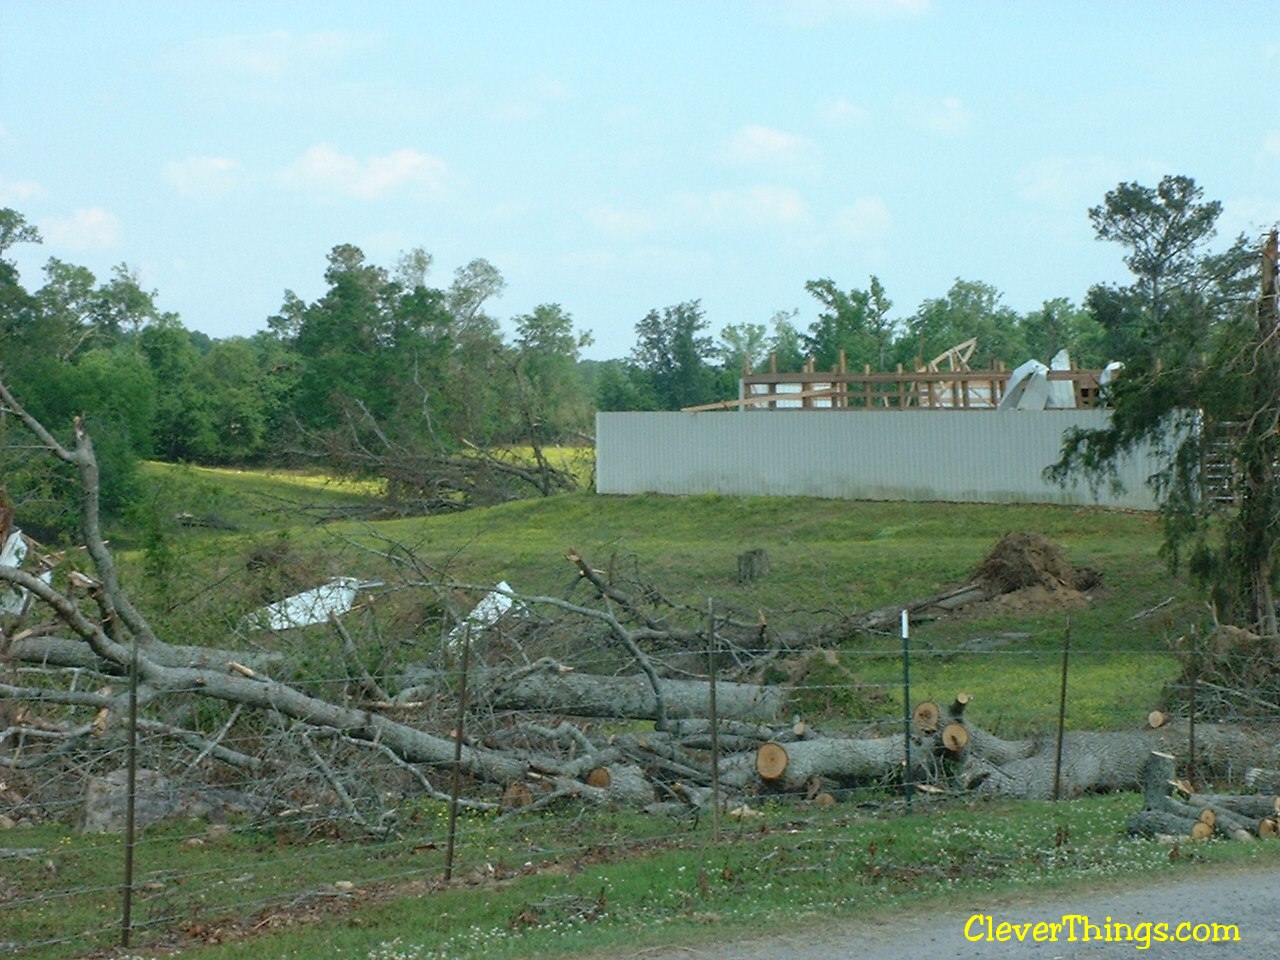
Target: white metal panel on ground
<point>946,455</point>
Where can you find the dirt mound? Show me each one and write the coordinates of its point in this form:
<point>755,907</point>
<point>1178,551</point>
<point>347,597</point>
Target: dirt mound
<point>1025,560</point>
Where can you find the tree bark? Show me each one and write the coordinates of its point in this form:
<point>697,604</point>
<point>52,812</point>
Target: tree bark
<point>552,688</point>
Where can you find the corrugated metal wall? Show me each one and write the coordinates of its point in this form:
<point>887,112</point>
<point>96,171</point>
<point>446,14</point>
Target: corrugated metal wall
<point>951,455</point>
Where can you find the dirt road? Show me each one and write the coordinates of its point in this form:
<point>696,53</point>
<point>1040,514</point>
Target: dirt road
<point>1248,898</point>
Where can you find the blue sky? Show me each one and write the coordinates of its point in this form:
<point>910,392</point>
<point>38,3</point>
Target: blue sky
<point>619,157</point>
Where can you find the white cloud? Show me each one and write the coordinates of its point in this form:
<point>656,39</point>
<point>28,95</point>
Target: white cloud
<point>272,54</point>
<point>759,145</point>
<point>752,206</point>
<point>948,115</point>
<point>203,176</point>
<point>617,222</point>
<point>324,170</point>
<point>866,219</point>
<point>838,112</point>
<point>86,229</point>
<point>19,191</point>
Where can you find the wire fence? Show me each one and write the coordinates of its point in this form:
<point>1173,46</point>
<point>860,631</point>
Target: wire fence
<point>238,813</point>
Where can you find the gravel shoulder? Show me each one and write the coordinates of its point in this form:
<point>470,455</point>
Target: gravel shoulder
<point>1246,897</point>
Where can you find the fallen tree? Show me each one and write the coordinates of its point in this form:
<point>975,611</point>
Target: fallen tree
<point>532,735</point>
<point>951,754</point>
<point>551,687</point>
<point>1199,815</point>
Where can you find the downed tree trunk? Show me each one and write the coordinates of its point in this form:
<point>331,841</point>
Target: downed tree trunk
<point>793,766</point>
<point>549,687</point>
<point>1236,817</point>
<point>956,753</point>
<point>1155,823</point>
<point>65,652</point>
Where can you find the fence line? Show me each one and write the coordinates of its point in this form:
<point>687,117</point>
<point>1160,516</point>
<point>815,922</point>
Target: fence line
<point>312,849</point>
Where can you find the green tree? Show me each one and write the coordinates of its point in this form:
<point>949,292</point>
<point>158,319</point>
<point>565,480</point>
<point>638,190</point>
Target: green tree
<point>882,328</point>
<point>183,425</point>
<point>238,400</point>
<point>121,306</point>
<point>1206,380</point>
<point>553,396</point>
<point>672,352</point>
<point>1058,325</point>
<point>67,304</point>
<point>339,339</point>
<point>743,346</point>
<point>856,323</point>
<point>786,343</point>
<point>618,385</point>
<point>18,309</point>
<point>969,309</point>
<point>1165,230</point>
<point>841,327</point>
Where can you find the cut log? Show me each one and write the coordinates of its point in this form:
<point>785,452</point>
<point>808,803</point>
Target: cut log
<point>516,796</point>
<point>1218,813</point>
<point>1248,805</point>
<point>833,759</point>
<point>1153,823</point>
<point>955,737</point>
<point>626,784</point>
<point>1095,762</point>
<point>927,715</point>
<point>957,708</point>
<point>771,761</point>
<point>1268,828</point>
<point>599,777</point>
<point>1231,826</point>
<point>1092,762</point>
<point>1156,719</point>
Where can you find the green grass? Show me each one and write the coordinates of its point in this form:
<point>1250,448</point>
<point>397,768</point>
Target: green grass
<point>564,884</point>
<point>599,880</point>
<point>828,558</point>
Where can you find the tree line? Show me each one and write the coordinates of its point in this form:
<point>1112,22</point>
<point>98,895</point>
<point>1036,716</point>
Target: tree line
<point>388,341</point>
<point>386,361</point>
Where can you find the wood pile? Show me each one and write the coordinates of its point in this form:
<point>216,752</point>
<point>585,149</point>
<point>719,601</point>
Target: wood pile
<point>1198,816</point>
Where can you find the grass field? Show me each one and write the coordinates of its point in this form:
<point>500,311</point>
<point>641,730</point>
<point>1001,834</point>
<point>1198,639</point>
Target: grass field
<point>574,879</point>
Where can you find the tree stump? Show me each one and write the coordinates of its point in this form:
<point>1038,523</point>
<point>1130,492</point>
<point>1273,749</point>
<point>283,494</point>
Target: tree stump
<point>753,565</point>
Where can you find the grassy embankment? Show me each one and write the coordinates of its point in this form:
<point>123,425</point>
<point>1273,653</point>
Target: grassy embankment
<point>570,880</point>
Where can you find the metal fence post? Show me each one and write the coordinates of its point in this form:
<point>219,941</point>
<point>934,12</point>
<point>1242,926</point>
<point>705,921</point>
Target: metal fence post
<point>457,756</point>
<point>131,800</point>
<point>715,722</point>
<point>1062,712</point>
<point>906,708</point>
